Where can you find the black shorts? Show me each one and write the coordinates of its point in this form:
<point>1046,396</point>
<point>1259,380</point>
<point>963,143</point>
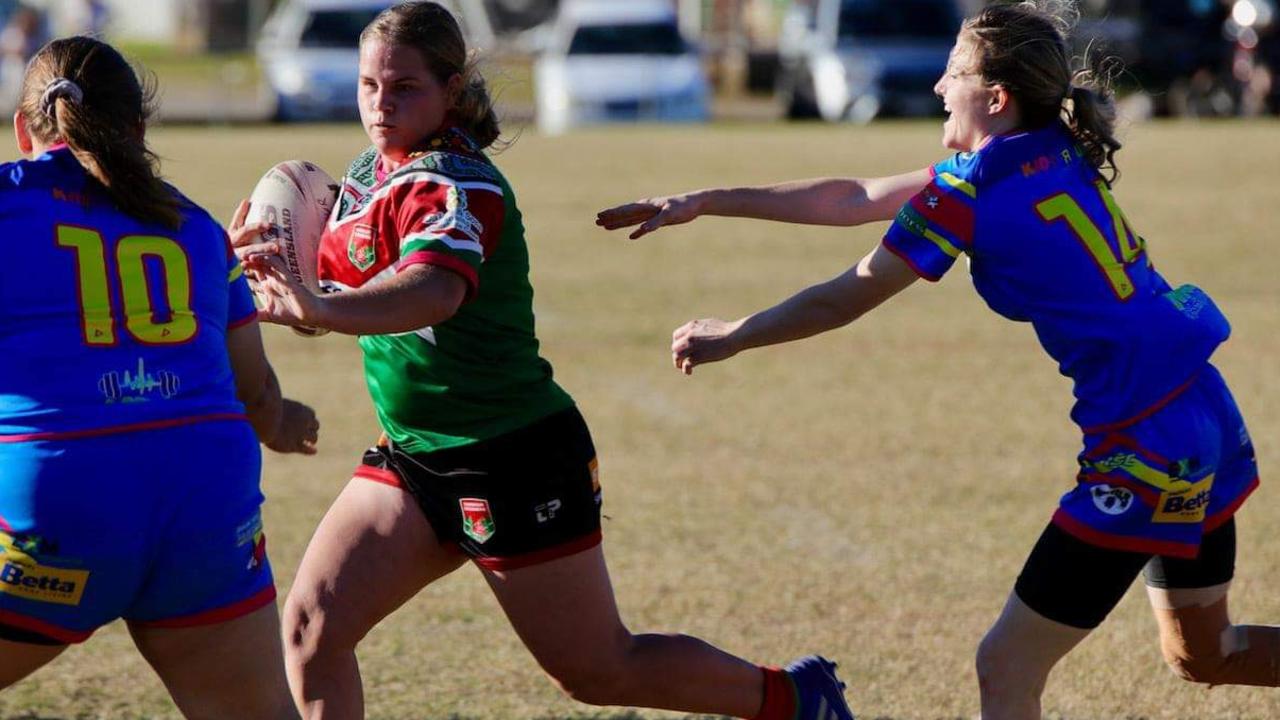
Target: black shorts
<point>520,499</point>
<point>1072,582</point>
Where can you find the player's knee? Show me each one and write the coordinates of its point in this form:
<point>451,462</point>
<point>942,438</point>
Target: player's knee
<point>307,630</point>
<point>990,665</point>
<point>998,669</point>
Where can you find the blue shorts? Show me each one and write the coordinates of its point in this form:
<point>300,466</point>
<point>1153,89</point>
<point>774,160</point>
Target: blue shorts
<point>160,528</point>
<point>1157,485</point>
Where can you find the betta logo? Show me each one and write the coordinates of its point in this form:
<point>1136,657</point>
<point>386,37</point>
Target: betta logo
<point>1184,506</point>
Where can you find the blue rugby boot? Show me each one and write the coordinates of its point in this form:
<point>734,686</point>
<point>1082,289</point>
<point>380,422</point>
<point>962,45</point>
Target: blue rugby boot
<point>819,693</point>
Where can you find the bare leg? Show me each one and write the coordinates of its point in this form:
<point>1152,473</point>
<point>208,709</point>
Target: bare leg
<point>373,551</point>
<point>1015,657</point>
<point>233,669</point>
<point>18,660</point>
<point>1201,645</point>
<point>565,613</point>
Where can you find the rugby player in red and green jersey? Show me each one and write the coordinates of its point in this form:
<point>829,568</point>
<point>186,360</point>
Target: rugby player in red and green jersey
<point>1166,460</point>
<point>485,458</point>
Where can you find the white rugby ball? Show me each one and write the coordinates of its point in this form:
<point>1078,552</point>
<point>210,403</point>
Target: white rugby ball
<point>295,198</point>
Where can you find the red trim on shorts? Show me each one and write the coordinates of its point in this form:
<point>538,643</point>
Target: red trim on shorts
<point>257,601</point>
<point>116,429</point>
<point>1152,410</point>
<point>537,557</point>
<point>52,632</point>
<point>1125,543</point>
<point>379,475</point>
<point>1218,519</point>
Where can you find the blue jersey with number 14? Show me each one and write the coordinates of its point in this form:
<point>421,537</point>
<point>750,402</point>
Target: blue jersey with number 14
<point>1048,245</point>
<point>107,323</point>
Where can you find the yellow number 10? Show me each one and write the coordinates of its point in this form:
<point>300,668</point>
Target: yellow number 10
<point>1064,207</point>
<point>98,317</point>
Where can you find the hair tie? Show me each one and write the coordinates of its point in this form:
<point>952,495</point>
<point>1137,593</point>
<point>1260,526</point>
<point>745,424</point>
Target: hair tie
<point>59,88</point>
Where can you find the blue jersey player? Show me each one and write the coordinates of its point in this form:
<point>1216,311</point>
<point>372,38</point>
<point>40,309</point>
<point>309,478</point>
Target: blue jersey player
<point>133,395</point>
<point>1027,200</point>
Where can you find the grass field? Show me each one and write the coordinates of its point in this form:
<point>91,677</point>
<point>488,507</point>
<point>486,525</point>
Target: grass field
<point>870,494</point>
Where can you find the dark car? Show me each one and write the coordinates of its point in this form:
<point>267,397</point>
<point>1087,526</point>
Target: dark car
<point>860,59</point>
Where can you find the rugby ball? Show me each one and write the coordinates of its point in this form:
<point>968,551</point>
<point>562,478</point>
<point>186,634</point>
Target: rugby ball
<point>295,198</point>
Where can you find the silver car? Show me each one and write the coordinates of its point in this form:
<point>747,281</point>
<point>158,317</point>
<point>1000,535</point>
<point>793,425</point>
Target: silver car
<point>610,61</point>
<point>309,52</point>
<point>859,59</point>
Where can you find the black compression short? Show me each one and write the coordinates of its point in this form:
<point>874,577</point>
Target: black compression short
<point>1072,582</point>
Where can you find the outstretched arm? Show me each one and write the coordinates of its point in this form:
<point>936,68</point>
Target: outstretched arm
<point>826,306</point>
<point>822,201</point>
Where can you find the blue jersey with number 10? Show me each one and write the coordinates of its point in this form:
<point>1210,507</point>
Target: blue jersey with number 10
<point>107,323</point>
<point>1048,245</point>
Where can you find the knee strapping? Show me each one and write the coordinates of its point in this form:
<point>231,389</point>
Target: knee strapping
<point>1234,655</point>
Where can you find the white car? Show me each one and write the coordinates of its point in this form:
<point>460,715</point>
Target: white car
<point>609,61</point>
<point>309,52</point>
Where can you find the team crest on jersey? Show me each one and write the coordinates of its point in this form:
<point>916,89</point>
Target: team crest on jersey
<point>477,521</point>
<point>362,249</point>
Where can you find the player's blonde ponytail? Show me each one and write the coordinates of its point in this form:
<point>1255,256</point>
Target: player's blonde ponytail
<point>1023,47</point>
<point>434,32</point>
<point>82,92</point>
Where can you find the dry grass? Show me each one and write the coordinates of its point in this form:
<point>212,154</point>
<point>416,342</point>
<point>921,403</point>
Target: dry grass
<point>870,494</point>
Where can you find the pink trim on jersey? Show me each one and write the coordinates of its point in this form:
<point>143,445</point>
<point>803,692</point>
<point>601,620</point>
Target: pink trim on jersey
<point>257,601</point>
<point>116,429</point>
<point>910,263</point>
<point>515,562</point>
<point>1126,543</point>
<point>53,632</point>
<point>243,321</point>
<point>446,261</point>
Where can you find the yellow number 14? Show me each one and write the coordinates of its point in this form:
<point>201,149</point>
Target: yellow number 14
<point>1064,207</point>
<point>98,316</point>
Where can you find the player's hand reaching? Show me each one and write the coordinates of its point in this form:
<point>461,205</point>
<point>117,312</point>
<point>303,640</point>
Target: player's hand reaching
<point>703,341</point>
<point>651,214</point>
<point>299,429</point>
<point>249,240</point>
<point>282,299</point>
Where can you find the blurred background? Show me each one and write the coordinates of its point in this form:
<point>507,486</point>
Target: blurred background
<point>567,63</point>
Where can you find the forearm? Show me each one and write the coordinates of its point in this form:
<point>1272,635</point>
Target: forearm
<point>417,298</point>
<point>827,306</point>
<point>264,408</point>
<point>820,201</point>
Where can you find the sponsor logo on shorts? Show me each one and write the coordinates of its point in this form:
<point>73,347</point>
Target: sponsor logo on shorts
<point>21,575</point>
<point>1113,462</point>
<point>1184,506</point>
<point>546,512</point>
<point>250,534</point>
<point>1111,500</point>
<point>477,521</point>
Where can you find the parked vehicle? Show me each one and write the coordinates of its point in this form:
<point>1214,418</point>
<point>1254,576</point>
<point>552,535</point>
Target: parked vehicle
<point>309,52</point>
<point>609,61</point>
<point>860,59</point>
